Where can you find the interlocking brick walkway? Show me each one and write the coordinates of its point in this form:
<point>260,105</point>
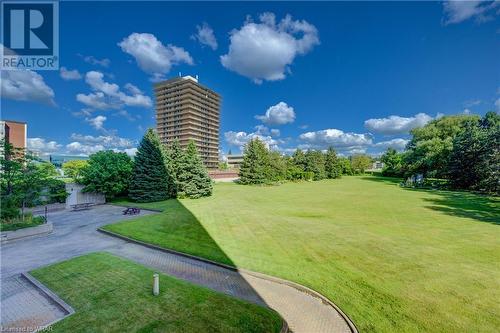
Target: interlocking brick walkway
<point>23,305</point>
<point>303,312</point>
<point>75,234</point>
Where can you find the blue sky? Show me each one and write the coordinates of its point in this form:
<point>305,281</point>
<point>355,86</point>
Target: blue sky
<point>355,75</point>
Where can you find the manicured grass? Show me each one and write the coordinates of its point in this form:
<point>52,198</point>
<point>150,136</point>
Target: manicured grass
<point>111,294</point>
<point>394,259</point>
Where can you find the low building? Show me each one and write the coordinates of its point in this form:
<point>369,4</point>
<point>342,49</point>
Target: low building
<point>234,161</point>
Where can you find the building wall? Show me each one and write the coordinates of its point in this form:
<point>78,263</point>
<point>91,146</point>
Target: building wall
<point>234,161</point>
<point>187,110</point>
<point>76,196</point>
<point>15,132</point>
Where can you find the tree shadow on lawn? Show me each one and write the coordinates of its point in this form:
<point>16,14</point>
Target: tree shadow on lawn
<point>468,205</point>
<point>176,228</point>
<point>459,203</point>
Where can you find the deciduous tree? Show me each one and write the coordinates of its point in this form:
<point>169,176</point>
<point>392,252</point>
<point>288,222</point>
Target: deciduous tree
<point>73,169</point>
<point>108,172</point>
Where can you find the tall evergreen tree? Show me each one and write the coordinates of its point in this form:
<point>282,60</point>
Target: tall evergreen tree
<point>332,167</point>
<point>315,163</point>
<point>277,167</point>
<point>253,169</point>
<point>299,159</point>
<point>174,155</point>
<point>464,166</point>
<point>192,178</point>
<point>151,178</point>
<point>474,162</point>
<point>490,160</point>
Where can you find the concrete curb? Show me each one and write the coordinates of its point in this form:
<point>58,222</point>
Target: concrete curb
<point>14,235</point>
<point>65,307</point>
<point>297,286</point>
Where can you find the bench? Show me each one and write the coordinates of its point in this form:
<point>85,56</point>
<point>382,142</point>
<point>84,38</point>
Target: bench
<point>131,211</point>
<point>82,206</point>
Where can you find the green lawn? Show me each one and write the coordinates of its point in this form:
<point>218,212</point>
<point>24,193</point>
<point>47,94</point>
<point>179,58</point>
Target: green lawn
<point>394,259</point>
<point>110,294</point>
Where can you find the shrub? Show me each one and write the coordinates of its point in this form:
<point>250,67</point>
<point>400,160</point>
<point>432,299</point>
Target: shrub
<point>9,207</point>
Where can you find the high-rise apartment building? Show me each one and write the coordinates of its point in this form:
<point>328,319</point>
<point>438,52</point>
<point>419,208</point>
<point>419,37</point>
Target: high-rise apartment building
<point>187,110</point>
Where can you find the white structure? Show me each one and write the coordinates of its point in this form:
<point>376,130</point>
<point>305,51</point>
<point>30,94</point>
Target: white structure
<point>76,196</point>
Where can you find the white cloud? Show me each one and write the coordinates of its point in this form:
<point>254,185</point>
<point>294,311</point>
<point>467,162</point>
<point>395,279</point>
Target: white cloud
<point>205,35</point>
<point>497,104</point>
<point>96,100</point>
<point>88,144</point>
<point>94,61</point>
<point>97,122</point>
<point>334,137</point>
<point>152,56</point>
<point>275,132</point>
<point>239,139</point>
<point>109,141</point>
<point>133,89</point>
<point>82,149</point>
<point>396,124</point>
<point>398,144</point>
<point>42,146</point>
<point>459,11</point>
<point>109,96</point>
<point>261,130</point>
<point>265,50</point>
<point>26,85</point>
<point>471,103</point>
<point>83,145</point>
<point>278,114</point>
<point>68,75</point>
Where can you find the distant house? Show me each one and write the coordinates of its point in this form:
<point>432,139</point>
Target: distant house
<point>377,165</point>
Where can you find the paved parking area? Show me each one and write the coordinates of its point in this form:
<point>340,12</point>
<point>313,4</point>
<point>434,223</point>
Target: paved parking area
<point>75,234</point>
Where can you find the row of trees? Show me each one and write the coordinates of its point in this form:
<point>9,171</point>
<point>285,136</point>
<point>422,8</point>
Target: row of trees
<point>463,149</point>
<point>26,182</point>
<point>157,173</point>
<point>263,166</point>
